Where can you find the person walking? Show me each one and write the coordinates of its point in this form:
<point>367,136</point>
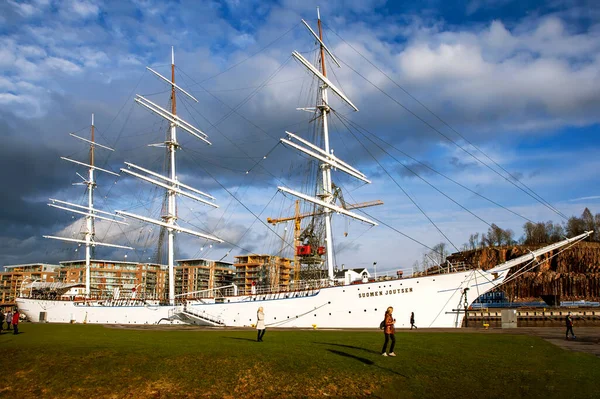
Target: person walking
<point>15,321</point>
<point>9,316</point>
<point>569,323</point>
<point>1,320</point>
<point>412,320</point>
<point>389,332</point>
<point>260,324</point>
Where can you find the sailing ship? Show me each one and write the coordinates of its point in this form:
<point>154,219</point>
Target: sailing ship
<point>438,300</point>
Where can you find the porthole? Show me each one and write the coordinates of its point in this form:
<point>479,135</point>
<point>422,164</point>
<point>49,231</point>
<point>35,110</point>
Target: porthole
<point>365,310</point>
<point>349,311</point>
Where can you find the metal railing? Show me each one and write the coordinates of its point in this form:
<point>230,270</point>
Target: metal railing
<point>203,315</point>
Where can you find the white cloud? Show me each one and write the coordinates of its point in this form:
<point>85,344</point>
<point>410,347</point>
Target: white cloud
<point>23,105</point>
<point>593,197</point>
<point>92,57</point>
<point>79,9</point>
<point>446,62</point>
<point>29,51</point>
<point>62,65</point>
<point>25,9</point>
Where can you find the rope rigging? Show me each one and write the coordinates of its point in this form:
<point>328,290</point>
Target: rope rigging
<point>510,179</point>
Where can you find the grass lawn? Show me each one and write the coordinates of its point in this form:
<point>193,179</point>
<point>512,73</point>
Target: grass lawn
<point>91,361</point>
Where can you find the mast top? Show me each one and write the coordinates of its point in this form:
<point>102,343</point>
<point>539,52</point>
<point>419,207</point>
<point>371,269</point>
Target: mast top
<point>318,13</point>
<point>172,55</point>
<point>92,119</point>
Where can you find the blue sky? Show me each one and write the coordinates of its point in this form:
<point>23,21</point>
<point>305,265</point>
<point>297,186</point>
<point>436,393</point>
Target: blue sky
<point>518,79</point>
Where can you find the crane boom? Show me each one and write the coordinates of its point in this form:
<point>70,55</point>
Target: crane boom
<point>304,215</point>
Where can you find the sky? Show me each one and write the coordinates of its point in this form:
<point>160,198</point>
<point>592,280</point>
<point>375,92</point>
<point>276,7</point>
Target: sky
<point>485,95</point>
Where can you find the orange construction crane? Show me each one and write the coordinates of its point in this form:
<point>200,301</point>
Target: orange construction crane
<point>297,218</point>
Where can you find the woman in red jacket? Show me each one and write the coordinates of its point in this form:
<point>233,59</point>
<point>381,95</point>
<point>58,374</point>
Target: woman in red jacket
<point>390,332</point>
<point>15,321</point>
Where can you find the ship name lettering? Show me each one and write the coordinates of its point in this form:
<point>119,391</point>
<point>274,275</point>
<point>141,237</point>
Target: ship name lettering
<point>386,292</point>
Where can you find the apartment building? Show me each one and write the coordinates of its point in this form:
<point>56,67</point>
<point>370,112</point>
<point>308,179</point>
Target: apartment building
<point>262,272</point>
<point>14,276</point>
<point>199,277</point>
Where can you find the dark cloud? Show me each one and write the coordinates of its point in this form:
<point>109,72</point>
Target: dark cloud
<point>461,165</point>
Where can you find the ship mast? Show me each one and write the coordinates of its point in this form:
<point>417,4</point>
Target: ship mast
<point>89,234</point>
<point>171,183</point>
<point>327,193</point>
<point>91,213</point>
<point>171,216</point>
<point>325,198</point>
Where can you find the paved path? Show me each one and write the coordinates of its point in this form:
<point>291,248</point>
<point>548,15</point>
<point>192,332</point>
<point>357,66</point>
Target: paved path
<point>588,338</point>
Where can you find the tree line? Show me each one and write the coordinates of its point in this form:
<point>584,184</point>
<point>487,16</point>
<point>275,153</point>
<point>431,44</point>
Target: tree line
<point>533,234</point>
<point>538,233</point>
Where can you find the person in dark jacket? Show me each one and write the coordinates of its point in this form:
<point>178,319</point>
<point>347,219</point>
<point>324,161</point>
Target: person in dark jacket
<point>15,321</point>
<point>389,332</point>
<point>569,323</point>
<point>8,320</point>
<point>412,320</point>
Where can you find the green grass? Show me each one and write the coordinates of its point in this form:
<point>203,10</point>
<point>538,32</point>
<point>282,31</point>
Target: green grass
<point>85,361</point>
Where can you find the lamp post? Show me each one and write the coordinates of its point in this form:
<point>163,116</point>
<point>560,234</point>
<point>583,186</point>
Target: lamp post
<point>375,269</point>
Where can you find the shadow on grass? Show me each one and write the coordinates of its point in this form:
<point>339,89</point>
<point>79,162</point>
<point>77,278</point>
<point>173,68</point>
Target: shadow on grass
<point>241,339</point>
<point>363,360</point>
<point>348,346</point>
<point>360,359</point>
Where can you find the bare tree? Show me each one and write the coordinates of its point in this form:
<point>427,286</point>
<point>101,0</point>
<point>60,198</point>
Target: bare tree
<point>507,237</point>
<point>575,226</point>
<point>588,221</point>
<point>439,253</point>
<point>474,241</point>
<point>556,232</point>
<point>537,233</point>
<point>494,235</point>
<point>416,266</point>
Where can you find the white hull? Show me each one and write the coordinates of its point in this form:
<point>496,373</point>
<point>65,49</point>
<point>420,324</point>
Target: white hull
<point>433,299</point>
